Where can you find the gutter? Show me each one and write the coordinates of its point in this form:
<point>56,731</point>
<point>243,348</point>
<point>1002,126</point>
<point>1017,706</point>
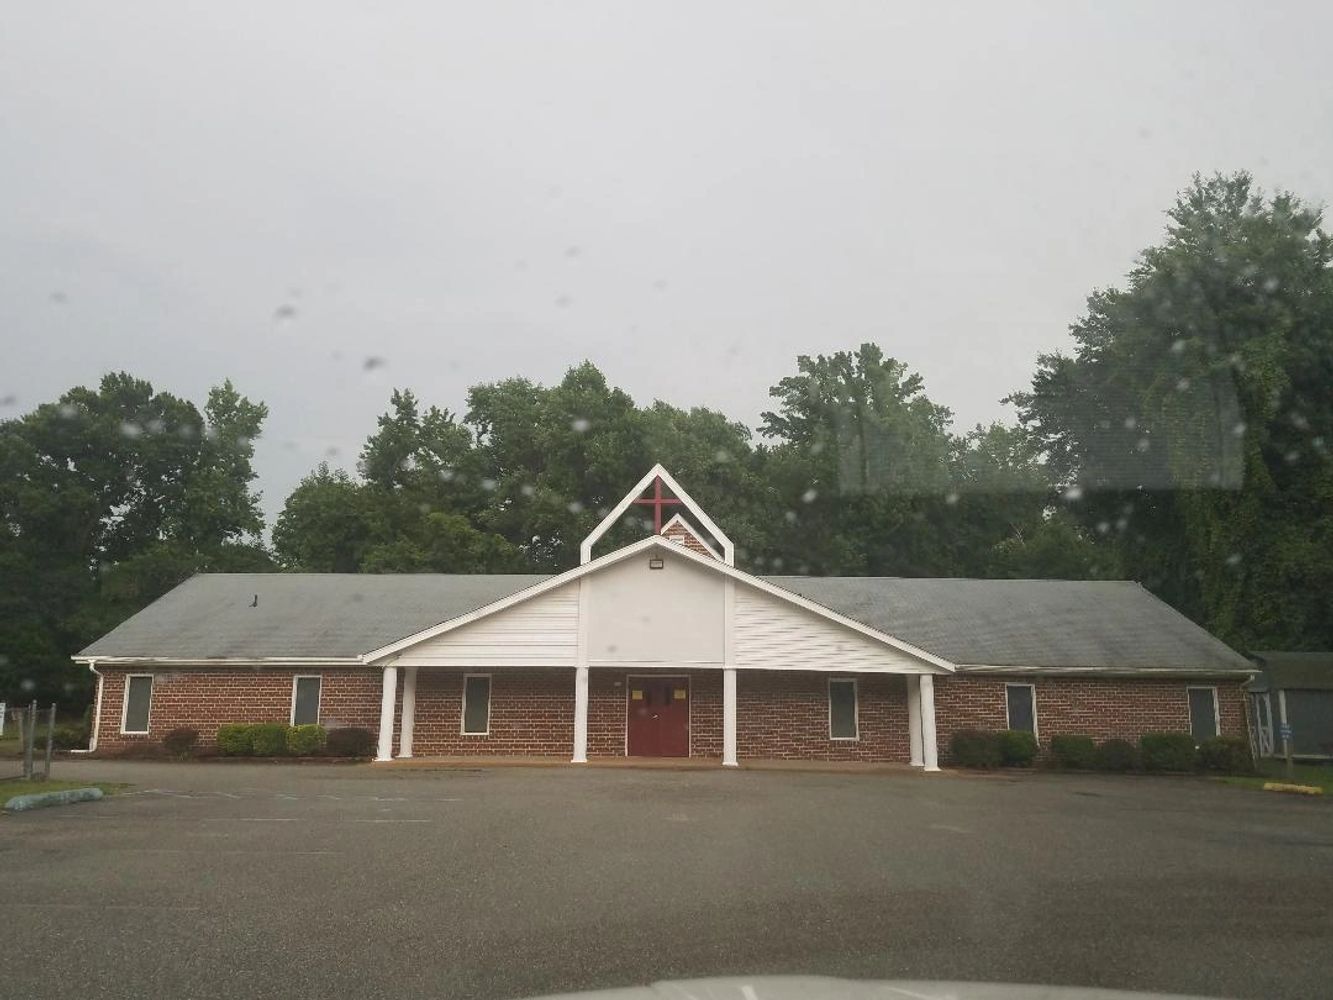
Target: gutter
<point>97,706</point>
<point>1161,672</point>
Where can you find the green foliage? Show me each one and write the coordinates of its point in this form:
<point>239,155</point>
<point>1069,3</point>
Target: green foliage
<point>1167,752</point>
<point>1017,748</point>
<point>1226,754</point>
<point>1117,755</point>
<point>1077,753</point>
<point>180,742</point>
<point>350,741</point>
<point>268,739</point>
<point>1194,417</point>
<point>974,748</point>
<point>302,741</point>
<point>73,736</point>
<point>108,498</point>
<point>236,739</point>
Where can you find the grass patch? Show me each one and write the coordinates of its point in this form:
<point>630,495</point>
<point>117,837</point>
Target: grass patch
<point>1319,775</point>
<point>8,789</point>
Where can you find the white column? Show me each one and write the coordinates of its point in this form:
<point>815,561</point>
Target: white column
<point>387,695</point>
<point>409,712</point>
<point>929,751</point>
<point>580,715</point>
<point>914,719</point>
<point>729,717</point>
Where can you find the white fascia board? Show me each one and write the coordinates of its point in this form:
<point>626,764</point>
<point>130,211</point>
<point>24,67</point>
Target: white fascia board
<point>728,549</point>
<point>536,590</point>
<point>1084,671</point>
<point>229,661</point>
<point>681,552</point>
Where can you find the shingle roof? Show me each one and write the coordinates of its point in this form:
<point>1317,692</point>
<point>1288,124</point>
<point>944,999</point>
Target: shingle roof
<point>1033,623</point>
<point>1030,623</point>
<point>330,615</point>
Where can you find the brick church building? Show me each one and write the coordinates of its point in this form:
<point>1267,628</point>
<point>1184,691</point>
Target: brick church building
<point>662,648</point>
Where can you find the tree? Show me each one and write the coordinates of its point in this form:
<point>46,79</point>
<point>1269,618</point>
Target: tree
<point>1190,426</point>
<point>108,498</point>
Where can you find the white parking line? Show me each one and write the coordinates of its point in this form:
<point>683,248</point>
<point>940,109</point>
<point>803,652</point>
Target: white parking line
<point>248,819</point>
<point>390,821</point>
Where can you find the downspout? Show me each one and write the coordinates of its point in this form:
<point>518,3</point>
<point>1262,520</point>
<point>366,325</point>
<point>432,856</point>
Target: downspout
<point>97,706</point>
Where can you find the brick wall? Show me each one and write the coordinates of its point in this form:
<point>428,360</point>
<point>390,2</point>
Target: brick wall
<point>786,716</point>
<point>1103,708</point>
<point>532,714</point>
<point>204,699</point>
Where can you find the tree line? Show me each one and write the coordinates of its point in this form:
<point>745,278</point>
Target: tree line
<point>1182,442</point>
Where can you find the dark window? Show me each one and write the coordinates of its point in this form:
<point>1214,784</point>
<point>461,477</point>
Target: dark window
<point>842,710</point>
<point>1022,711</point>
<point>138,698</point>
<point>477,705</point>
<point>305,702</point>
<point>1203,713</point>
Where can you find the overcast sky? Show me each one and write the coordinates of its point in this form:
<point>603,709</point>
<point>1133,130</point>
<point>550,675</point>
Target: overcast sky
<point>688,194</point>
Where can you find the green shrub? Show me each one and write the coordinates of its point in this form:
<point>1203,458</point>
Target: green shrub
<point>235,739</point>
<point>1228,754</point>
<point>73,736</point>
<point>1017,748</point>
<point>1117,755</point>
<point>305,740</point>
<point>973,748</point>
<point>1168,751</point>
<point>350,742</point>
<point>269,739</point>
<point>1077,753</point>
<point>180,742</point>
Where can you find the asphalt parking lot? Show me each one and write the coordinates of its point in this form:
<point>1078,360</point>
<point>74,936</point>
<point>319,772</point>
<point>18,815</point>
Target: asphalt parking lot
<point>212,880</point>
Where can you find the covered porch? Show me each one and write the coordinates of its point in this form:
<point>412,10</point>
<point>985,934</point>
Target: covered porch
<point>715,716</point>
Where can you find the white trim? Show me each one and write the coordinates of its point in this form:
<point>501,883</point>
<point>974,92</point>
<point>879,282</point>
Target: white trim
<point>580,755</point>
<point>125,707</point>
<point>680,519</point>
<point>930,752</point>
<point>388,696</point>
<point>689,711</point>
<point>97,706</point>
<point>914,720</point>
<point>1036,733</point>
<point>1184,673</point>
<point>319,699</point>
<point>729,758</point>
<point>222,662</point>
<point>1189,708</point>
<point>681,552</point>
<point>462,714</point>
<point>408,723</point>
<point>856,709</point>
<point>728,549</point>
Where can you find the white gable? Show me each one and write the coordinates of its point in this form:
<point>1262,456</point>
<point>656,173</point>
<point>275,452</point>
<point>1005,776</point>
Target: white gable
<point>773,634</point>
<point>670,616</point>
<point>541,632</point>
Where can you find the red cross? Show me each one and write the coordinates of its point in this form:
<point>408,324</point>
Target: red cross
<point>656,502</point>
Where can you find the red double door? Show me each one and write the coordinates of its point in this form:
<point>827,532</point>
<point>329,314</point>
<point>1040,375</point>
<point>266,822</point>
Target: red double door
<point>659,717</point>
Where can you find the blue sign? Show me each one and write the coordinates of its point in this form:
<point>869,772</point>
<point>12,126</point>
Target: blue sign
<point>1284,731</point>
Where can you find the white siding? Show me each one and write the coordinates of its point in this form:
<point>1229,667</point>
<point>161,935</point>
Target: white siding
<point>670,616</point>
<point>541,632</point>
<point>773,634</point>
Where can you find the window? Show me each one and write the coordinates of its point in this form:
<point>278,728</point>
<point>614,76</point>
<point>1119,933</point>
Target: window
<point>842,710</point>
<point>1203,713</point>
<point>476,704</point>
<point>138,701</point>
<point>1021,707</point>
<point>305,700</point>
